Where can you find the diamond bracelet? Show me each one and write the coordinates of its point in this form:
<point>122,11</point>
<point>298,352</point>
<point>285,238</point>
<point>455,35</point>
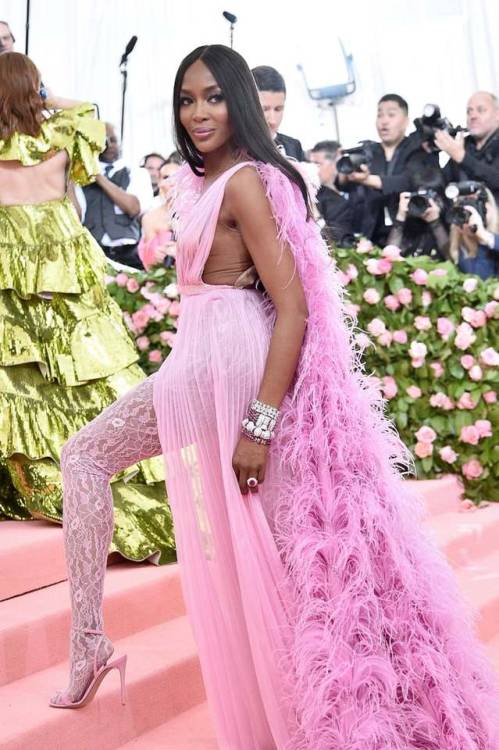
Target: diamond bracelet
<point>260,422</point>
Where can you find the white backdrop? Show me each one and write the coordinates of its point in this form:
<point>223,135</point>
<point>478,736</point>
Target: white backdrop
<point>430,50</point>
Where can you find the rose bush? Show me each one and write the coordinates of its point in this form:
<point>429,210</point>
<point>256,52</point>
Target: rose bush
<point>435,341</point>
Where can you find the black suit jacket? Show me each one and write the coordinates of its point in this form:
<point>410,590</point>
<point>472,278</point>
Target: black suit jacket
<point>478,164</point>
<point>292,146</point>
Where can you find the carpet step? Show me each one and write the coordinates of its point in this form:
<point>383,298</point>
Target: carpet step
<point>34,628</point>
<point>163,681</point>
<point>479,581</point>
<point>191,730</point>
<point>466,536</point>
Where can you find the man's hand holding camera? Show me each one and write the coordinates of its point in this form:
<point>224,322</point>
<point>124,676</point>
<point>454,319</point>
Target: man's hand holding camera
<point>431,214</point>
<point>474,227</point>
<point>454,147</point>
<point>364,177</point>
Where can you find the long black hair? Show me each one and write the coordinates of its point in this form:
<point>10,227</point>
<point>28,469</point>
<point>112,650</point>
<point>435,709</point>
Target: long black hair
<point>250,131</point>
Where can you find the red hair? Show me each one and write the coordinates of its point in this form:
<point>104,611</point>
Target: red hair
<point>21,107</point>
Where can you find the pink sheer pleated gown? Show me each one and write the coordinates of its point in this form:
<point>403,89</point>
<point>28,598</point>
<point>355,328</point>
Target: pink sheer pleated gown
<point>232,575</point>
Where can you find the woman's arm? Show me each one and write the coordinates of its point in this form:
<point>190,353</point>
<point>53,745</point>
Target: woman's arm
<point>247,204</point>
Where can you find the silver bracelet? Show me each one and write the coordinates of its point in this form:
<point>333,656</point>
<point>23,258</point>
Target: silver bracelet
<point>260,421</point>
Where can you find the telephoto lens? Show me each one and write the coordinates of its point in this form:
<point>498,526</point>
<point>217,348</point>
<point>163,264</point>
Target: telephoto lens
<point>353,158</point>
<point>419,202</point>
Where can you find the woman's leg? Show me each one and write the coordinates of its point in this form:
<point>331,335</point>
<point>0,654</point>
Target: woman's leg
<point>123,434</point>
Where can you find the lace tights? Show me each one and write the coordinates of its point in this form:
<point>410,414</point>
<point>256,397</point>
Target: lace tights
<point>121,435</point>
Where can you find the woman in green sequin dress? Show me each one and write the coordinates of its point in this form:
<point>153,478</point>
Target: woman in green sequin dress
<point>64,351</point>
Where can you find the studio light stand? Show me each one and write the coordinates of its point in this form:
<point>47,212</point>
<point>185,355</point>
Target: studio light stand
<point>231,18</point>
<point>124,73</point>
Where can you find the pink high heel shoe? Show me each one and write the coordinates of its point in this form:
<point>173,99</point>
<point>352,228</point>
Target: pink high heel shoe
<point>99,674</point>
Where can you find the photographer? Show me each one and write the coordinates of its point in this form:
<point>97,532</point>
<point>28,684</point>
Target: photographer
<point>375,187</point>
<point>475,157</point>
<point>335,210</point>
<point>474,244</point>
<point>418,228</point>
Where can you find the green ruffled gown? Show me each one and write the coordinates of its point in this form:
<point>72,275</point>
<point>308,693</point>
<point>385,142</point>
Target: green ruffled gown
<point>65,353</point>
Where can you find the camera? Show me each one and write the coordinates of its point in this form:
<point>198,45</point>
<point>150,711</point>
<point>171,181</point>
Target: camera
<point>353,158</point>
<point>467,193</point>
<point>419,202</point>
<point>431,121</point>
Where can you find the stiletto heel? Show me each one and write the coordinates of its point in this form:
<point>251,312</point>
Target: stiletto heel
<point>99,674</point>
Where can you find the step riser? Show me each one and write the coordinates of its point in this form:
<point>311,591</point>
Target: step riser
<point>105,724</point>
<point>472,544</point>
<point>45,642</point>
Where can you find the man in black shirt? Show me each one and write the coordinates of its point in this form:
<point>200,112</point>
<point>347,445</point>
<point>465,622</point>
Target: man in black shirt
<point>475,157</point>
<point>335,210</point>
<point>272,93</point>
<point>375,189</point>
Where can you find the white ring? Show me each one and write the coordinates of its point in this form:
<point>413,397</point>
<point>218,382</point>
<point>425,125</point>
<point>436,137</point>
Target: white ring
<point>252,482</point>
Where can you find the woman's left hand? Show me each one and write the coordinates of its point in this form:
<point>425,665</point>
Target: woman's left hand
<point>249,460</point>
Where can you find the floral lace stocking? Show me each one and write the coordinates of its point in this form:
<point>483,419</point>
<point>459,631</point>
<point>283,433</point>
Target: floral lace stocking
<point>123,434</point>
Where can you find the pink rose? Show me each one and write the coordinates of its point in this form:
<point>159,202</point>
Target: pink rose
<point>132,285</point>
<point>490,397</point>
<point>489,357</point>
<point>479,318</point>
<point>352,310</point>
<point>163,305</point>
<point>467,314</point>
<point>174,309</point>
<point>392,252</point>
<point>400,337</point>
<point>364,246</point>
<point>376,327</point>
<point>466,401</point>
<point>109,279</point>
<point>404,296</point>
<point>378,266</point>
<point>155,356</point>
<point>352,271</point>
<point>343,278</point>
<point>422,323</point>
<point>470,285</point>
<point>362,340</point>
<point>423,450</point>
<point>426,298</point>
<point>389,386</point>
<point>437,368</point>
<point>419,276</point>
<point>438,272</point>
<point>167,337</point>
<point>472,469</point>
<point>418,362</point>
<point>476,373</point>
<point>426,434</point>
<point>483,428</point>
<point>447,454</point>
<point>464,336</point>
<point>371,296</point>
<point>121,279</point>
<point>413,391</point>
<point>445,327</point>
<point>469,435</point>
<point>391,302</point>
<point>418,350</point>
<point>441,401</point>
<point>385,339</point>
<point>467,506</point>
<point>129,322</point>
<point>142,343</point>
<point>491,309</point>
<point>140,319</point>
<point>467,361</point>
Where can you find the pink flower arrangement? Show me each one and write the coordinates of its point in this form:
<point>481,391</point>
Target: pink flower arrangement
<point>447,454</point>
<point>439,272</point>
<point>174,310</point>
<point>121,279</point>
<point>392,252</point>
<point>441,401</point>
<point>419,276</point>
<point>404,296</point>
<point>467,361</point>
<point>389,387</point>
<point>437,368</point>
<point>489,357</point>
<point>467,506</point>
<point>426,298</point>
<point>132,285</point>
<point>418,350</point>
<point>476,373</point>
<point>155,356</point>
<point>378,266</point>
<point>422,323</point>
<point>140,318</point>
<point>413,391</point>
<point>167,337</point>
<point>423,450</point>
<point>464,336</point>
<point>445,327</point>
<point>352,271</point>
<point>364,246</point>
<point>490,397</point>
<point>472,469</point>
<point>352,310</point>
<point>491,309</point>
<point>376,327</point>
<point>469,285</point>
<point>477,318</point>
<point>142,343</point>
<point>426,434</point>
<point>466,401</point>
<point>469,435</point>
<point>362,340</point>
<point>400,337</point>
<point>484,428</point>
<point>385,338</point>
<point>391,302</point>
<point>371,296</point>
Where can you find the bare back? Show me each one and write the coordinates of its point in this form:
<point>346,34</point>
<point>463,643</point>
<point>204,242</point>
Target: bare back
<point>23,185</point>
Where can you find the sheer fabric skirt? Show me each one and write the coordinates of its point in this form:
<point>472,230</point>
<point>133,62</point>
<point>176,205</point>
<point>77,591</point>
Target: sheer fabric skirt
<point>232,575</point>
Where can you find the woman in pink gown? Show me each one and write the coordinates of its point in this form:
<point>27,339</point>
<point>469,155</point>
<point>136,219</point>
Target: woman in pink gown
<point>323,616</point>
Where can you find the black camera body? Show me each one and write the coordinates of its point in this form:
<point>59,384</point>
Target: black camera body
<point>466,193</point>
<point>353,158</point>
<point>431,121</point>
<point>419,202</point>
